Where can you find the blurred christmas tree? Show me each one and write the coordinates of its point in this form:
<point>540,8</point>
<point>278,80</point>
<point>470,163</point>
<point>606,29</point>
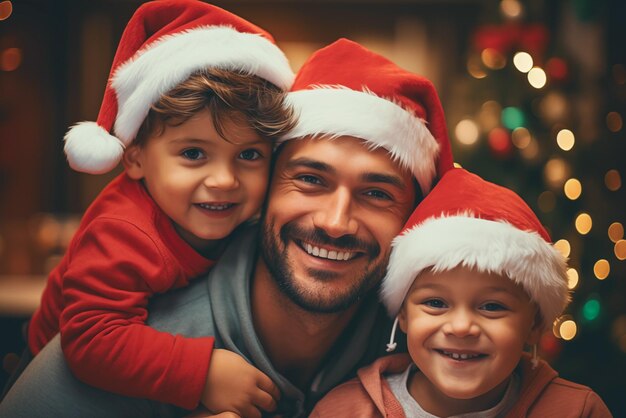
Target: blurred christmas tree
<point>547,97</point>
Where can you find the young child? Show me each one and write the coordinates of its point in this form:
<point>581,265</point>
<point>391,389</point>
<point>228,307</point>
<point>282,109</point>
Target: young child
<point>472,280</point>
<point>194,102</point>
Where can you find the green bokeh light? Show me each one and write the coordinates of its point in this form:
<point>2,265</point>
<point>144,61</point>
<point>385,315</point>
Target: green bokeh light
<point>512,118</point>
<point>591,309</point>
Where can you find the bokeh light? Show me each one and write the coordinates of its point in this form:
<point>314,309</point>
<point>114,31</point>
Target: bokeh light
<point>537,77</point>
<point>572,189</point>
<point>556,172</point>
<point>6,8</point>
<point>554,106</point>
<point>521,137</point>
<point>572,278</point>
<point>475,67</point>
<point>613,180</point>
<point>466,132</point>
<point>563,247</point>
<point>591,309</point>
<point>493,59</point>
<point>513,117</point>
<point>568,329</point>
<point>601,269</point>
<point>565,139</point>
<point>546,201</point>
<point>10,59</point>
<point>614,122</point>
<point>511,8</point>
<point>620,250</point>
<point>531,152</point>
<point>523,62</point>
<point>489,115</point>
<point>500,142</point>
<point>616,231</point>
<point>583,223</point>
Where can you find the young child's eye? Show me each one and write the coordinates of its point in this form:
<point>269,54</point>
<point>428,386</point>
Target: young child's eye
<point>192,154</point>
<point>493,307</point>
<point>250,155</point>
<point>435,303</point>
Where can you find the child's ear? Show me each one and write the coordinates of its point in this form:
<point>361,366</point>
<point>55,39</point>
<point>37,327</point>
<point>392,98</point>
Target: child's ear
<point>402,322</point>
<point>133,162</point>
<point>537,330</point>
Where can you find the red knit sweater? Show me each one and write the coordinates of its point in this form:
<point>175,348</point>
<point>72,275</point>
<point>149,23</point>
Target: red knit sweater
<point>125,251</point>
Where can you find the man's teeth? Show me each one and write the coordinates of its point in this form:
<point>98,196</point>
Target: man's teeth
<point>458,356</point>
<point>216,207</point>
<point>329,254</point>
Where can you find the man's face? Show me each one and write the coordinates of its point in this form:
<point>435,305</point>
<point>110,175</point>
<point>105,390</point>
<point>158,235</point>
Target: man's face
<point>334,207</point>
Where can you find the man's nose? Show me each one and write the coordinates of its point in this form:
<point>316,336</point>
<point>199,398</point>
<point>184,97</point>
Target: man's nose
<point>221,175</point>
<point>460,322</point>
<point>335,216</point>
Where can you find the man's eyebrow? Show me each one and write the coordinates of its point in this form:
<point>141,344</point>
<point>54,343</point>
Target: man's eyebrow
<point>384,178</point>
<point>310,163</point>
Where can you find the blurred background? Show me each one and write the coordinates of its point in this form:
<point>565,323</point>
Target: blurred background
<point>534,92</point>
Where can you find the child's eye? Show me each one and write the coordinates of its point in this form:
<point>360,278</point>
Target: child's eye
<point>192,154</point>
<point>493,307</point>
<point>250,155</point>
<point>435,303</point>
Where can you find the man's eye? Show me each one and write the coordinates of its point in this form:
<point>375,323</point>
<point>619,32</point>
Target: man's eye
<point>250,155</point>
<point>493,307</point>
<point>435,303</point>
<point>378,194</point>
<point>309,179</point>
<point>192,154</point>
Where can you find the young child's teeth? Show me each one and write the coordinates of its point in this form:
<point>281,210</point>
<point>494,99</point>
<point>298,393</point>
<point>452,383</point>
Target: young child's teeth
<point>215,207</point>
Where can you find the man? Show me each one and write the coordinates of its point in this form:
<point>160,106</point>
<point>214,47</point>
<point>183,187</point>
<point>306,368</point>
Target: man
<point>304,308</point>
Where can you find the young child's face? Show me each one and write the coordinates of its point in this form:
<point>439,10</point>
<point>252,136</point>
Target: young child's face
<point>466,330</point>
<point>206,185</point>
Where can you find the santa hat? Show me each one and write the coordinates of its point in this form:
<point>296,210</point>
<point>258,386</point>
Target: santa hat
<point>345,89</point>
<point>163,44</point>
<point>467,221</point>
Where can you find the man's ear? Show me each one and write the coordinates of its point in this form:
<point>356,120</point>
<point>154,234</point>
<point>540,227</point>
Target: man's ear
<point>133,162</point>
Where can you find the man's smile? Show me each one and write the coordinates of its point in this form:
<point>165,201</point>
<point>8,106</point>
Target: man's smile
<point>327,253</point>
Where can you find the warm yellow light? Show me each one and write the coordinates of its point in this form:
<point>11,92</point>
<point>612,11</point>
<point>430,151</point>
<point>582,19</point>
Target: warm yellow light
<point>553,106</point>
<point>583,223</point>
<point>546,201</point>
<point>10,59</point>
<point>616,231</point>
<point>568,329</point>
<point>520,137</point>
<point>531,152</point>
<point>511,8</point>
<point>620,250</point>
<point>601,269</point>
<point>614,122</point>
<point>555,172</point>
<point>474,67</point>
<point>573,189</point>
<point>563,247</point>
<point>523,62</point>
<point>572,278</point>
<point>537,77</point>
<point>457,165</point>
<point>565,139</point>
<point>489,116</point>
<point>466,132</point>
<point>493,59</point>
<point>613,180</point>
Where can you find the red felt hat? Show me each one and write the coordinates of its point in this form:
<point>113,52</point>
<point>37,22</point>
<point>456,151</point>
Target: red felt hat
<point>163,44</point>
<point>468,221</point>
<point>345,89</point>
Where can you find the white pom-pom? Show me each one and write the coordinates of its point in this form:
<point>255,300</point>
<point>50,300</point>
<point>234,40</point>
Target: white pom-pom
<point>91,149</point>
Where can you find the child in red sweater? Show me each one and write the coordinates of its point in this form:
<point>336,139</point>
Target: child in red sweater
<point>194,102</point>
<point>471,281</point>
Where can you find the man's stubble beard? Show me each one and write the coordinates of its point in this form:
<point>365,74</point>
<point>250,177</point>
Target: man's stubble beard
<point>282,273</point>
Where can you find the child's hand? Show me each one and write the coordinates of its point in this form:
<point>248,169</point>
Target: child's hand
<point>235,385</point>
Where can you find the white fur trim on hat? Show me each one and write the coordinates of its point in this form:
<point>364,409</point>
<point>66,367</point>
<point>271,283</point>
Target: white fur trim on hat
<point>444,243</point>
<point>91,149</point>
<point>338,111</point>
<point>140,82</point>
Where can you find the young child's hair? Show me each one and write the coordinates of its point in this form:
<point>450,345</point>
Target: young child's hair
<point>228,95</point>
